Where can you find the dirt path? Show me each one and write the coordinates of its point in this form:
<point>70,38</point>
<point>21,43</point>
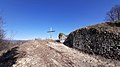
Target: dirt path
<point>53,54</point>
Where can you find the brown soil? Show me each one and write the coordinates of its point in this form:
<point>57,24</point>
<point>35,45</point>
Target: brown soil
<point>53,54</point>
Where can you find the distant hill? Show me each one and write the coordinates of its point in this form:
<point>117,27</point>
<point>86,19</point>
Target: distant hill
<point>101,39</point>
<point>17,41</point>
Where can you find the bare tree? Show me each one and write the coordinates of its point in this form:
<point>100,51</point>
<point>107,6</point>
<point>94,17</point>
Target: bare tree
<point>1,28</point>
<point>113,14</point>
<point>2,35</point>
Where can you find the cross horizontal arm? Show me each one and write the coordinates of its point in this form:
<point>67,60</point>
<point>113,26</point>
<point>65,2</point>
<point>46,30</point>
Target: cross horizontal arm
<point>51,31</point>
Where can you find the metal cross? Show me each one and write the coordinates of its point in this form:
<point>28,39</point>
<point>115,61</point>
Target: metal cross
<point>50,31</point>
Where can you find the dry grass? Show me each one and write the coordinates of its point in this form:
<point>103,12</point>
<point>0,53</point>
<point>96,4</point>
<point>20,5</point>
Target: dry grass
<point>107,26</point>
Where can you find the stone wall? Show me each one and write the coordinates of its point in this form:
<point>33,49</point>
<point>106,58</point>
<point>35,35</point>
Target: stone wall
<point>101,39</point>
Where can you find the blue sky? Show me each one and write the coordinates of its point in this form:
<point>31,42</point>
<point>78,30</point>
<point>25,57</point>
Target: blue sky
<point>29,19</point>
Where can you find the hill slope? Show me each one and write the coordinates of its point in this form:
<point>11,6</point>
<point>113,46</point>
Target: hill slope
<point>51,54</point>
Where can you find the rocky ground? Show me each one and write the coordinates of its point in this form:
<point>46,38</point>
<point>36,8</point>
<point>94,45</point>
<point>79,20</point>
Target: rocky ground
<point>51,54</point>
